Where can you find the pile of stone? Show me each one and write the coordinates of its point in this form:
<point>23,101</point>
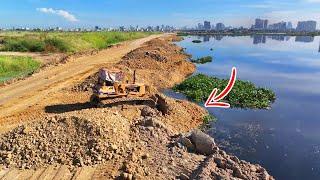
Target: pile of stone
<point>70,141</point>
<point>218,164</point>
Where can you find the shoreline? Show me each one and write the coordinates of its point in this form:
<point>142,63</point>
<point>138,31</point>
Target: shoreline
<point>146,143</point>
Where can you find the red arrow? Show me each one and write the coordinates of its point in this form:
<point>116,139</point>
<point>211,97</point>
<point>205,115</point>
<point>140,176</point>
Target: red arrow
<point>213,100</point>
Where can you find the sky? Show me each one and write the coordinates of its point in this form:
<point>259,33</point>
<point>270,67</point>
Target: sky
<point>178,13</point>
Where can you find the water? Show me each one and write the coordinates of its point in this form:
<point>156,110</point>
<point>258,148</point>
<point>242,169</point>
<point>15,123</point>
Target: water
<point>285,139</point>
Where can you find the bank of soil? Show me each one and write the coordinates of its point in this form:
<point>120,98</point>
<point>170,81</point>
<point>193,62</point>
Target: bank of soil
<point>125,142</point>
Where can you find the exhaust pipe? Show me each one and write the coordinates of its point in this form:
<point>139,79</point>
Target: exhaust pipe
<point>134,76</point>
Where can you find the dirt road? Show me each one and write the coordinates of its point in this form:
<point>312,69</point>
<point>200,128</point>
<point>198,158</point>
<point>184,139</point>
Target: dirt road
<point>18,96</point>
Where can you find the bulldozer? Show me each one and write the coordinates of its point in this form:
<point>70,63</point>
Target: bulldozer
<point>110,90</point>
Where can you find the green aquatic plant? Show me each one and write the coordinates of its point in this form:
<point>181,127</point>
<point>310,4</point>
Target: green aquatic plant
<point>207,121</point>
<point>243,95</point>
<point>202,60</point>
<point>209,118</point>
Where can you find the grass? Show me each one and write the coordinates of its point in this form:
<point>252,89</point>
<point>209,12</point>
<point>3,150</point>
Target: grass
<point>243,95</point>
<point>202,60</point>
<point>67,42</point>
<point>16,66</point>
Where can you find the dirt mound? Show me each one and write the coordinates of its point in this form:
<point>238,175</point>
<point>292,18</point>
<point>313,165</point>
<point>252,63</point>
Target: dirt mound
<point>180,115</point>
<point>71,141</point>
<point>164,62</point>
<point>159,58</point>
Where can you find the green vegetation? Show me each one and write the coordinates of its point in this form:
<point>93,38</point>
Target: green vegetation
<point>63,41</point>
<point>243,95</point>
<point>207,121</point>
<point>202,60</point>
<point>196,41</point>
<point>209,118</point>
<point>16,66</point>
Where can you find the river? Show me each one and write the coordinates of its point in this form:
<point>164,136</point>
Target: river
<point>286,138</point>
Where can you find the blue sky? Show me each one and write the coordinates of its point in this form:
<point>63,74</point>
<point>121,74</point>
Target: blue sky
<point>113,13</point>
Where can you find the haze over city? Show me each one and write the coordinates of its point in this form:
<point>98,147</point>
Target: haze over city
<point>67,13</point>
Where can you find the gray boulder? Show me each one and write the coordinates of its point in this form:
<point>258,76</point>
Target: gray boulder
<point>204,144</point>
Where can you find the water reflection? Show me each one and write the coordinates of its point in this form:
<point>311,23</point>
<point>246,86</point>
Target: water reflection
<point>206,38</point>
<point>262,39</point>
<point>218,37</point>
<point>285,139</point>
<point>306,39</point>
<point>257,39</point>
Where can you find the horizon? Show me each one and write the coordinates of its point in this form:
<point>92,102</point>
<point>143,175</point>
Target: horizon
<point>67,14</point>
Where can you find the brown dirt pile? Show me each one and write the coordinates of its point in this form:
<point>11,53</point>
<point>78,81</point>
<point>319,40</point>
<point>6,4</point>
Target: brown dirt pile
<point>179,115</point>
<point>164,62</point>
<point>158,63</point>
<point>73,141</point>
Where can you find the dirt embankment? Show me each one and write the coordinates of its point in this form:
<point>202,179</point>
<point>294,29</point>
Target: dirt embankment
<point>158,63</point>
<point>126,142</point>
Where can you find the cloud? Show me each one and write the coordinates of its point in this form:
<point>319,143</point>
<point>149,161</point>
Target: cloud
<point>65,14</point>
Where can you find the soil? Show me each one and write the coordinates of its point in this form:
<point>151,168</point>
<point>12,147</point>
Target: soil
<point>55,132</point>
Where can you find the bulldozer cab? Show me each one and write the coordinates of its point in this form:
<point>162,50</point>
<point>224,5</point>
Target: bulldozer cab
<point>109,77</point>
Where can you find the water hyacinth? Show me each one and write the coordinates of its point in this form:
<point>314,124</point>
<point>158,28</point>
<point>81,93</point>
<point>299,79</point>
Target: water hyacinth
<point>243,95</point>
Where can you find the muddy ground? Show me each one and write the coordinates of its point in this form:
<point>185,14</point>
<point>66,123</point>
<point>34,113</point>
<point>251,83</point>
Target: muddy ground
<point>126,141</point>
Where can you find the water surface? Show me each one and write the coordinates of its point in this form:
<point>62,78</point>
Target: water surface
<point>285,139</point>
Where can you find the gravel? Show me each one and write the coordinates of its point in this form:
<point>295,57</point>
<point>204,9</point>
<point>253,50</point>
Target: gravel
<point>71,141</point>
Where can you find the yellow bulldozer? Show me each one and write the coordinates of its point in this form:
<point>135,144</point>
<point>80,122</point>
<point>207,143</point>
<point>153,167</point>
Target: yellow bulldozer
<point>110,90</point>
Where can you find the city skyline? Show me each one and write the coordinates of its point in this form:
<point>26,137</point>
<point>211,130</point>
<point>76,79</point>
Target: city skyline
<point>66,13</point>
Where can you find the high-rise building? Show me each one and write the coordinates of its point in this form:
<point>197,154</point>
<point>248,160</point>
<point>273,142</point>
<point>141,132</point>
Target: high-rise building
<point>265,24</point>
<point>289,26</point>
<point>307,26</point>
<point>261,24</point>
<point>200,26</point>
<point>280,26</point>
<point>207,25</point>
<point>220,27</point>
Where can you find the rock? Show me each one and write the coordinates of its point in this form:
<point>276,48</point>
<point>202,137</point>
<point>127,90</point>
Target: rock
<point>187,143</point>
<point>204,144</point>
<point>148,111</point>
<point>114,147</point>
<point>151,122</point>
<point>265,175</point>
<point>221,163</point>
<point>237,172</point>
<point>253,168</point>
<point>145,156</point>
<point>126,176</point>
<point>183,177</point>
